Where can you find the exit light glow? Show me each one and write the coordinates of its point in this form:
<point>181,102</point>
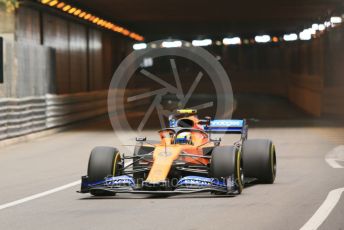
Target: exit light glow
<point>231,41</point>
<point>171,44</point>
<point>262,38</point>
<point>205,42</point>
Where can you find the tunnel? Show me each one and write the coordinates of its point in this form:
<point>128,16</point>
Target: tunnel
<point>75,74</point>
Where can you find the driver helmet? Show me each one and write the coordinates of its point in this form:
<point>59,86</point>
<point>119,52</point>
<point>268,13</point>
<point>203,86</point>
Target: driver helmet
<point>183,138</point>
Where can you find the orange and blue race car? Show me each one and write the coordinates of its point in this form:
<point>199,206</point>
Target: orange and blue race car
<point>187,159</point>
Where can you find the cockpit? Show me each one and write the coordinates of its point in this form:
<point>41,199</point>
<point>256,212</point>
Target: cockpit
<point>184,131</point>
<point>183,136</point>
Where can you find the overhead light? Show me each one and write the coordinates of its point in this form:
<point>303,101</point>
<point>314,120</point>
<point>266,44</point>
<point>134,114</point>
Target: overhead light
<point>72,10</point>
<point>322,27</point>
<point>139,46</point>
<point>204,42</point>
<point>82,14</point>
<point>77,12</point>
<point>171,44</point>
<point>58,4</point>
<point>66,8</point>
<point>312,31</point>
<point>262,38</point>
<point>327,24</point>
<point>275,39</point>
<point>305,35</point>
<point>95,20</point>
<point>336,20</point>
<point>290,37</point>
<point>315,26</point>
<point>53,3</point>
<point>125,32</point>
<point>218,43</point>
<point>231,41</point>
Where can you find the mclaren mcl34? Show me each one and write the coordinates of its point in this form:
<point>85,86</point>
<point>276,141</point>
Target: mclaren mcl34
<point>187,159</point>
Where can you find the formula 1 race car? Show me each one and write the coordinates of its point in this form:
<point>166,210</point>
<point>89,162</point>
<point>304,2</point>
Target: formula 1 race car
<point>186,160</point>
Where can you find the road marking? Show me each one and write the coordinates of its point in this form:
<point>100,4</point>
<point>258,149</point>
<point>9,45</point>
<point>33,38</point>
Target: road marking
<point>324,210</point>
<point>39,195</point>
<point>337,154</point>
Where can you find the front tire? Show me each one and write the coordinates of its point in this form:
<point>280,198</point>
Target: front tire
<point>226,162</point>
<point>259,157</point>
<point>103,162</point>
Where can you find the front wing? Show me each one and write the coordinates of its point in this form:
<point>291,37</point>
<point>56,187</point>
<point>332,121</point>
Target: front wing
<point>186,185</point>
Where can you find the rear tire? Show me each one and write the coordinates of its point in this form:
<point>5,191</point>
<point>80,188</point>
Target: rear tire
<point>226,162</point>
<point>103,162</point>
<point>259,157</point>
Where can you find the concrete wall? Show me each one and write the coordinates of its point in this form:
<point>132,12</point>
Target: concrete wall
<point>74,56</point>
<point>306,75</point>
<point>52,53</point>
<point>292,70</point>
<point>333,97</point>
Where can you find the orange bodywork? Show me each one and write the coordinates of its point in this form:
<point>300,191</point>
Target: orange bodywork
<point>167,152</point>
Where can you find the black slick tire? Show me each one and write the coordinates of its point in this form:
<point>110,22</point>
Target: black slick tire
<point>103,162</point>
<point>259,158</point>
<point>226,162</point>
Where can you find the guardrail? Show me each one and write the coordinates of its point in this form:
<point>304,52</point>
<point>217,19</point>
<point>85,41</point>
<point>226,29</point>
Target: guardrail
<point>21,116</point>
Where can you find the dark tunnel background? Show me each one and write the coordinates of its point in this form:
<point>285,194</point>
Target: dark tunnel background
<point>50,50</point>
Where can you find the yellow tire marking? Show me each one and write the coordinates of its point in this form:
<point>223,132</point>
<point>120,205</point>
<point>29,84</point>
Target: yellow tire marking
<point>272,150</point>
<point>115,163</point>
<point>238,170</point>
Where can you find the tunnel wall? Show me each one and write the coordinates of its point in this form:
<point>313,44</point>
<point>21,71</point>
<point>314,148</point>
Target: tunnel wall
<point>255,69</point>
<point>291,70</point>
<point>306,74</point>
<point>55,54</point>
<point>333,96</point>
<point>79,56</point>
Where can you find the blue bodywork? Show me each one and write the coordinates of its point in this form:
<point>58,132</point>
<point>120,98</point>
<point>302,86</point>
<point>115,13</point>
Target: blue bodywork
<point>186,184</point>
<point>199,182</point>
<point>226,126</point>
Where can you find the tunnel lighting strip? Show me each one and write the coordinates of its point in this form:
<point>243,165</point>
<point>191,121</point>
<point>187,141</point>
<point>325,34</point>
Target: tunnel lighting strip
<point>204,42</point>
<point>336,20</point>
<point>290,37</point>
<point>307,34</point>
<point>139,46</point>
<point>84,15</point>
<point>262,38</point>
<point>232,41</point>
<point>171,44</point>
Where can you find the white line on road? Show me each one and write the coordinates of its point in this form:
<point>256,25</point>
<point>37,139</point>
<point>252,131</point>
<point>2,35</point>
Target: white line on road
<point>39,195</point>
<point>46,193</point>
<point>324,210</point>
<point>333,163</point>
<point>337,154</point>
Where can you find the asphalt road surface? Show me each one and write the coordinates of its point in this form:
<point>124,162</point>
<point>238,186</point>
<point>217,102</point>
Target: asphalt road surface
<point>304,180</point>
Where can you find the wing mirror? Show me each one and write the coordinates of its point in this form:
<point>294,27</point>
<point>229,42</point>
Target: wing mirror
<point>141,139</point>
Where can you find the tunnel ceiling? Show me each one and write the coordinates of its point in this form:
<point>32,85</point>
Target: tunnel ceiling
<point>156,19</point>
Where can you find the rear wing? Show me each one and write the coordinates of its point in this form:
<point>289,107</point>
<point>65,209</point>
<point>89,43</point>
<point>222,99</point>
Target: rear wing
<point>228,127</point>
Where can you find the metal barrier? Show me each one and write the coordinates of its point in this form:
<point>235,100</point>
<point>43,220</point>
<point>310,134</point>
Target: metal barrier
<point>21,116</point>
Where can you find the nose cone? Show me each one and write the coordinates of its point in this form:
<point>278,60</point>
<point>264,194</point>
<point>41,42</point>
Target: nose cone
<point>163,159</point>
